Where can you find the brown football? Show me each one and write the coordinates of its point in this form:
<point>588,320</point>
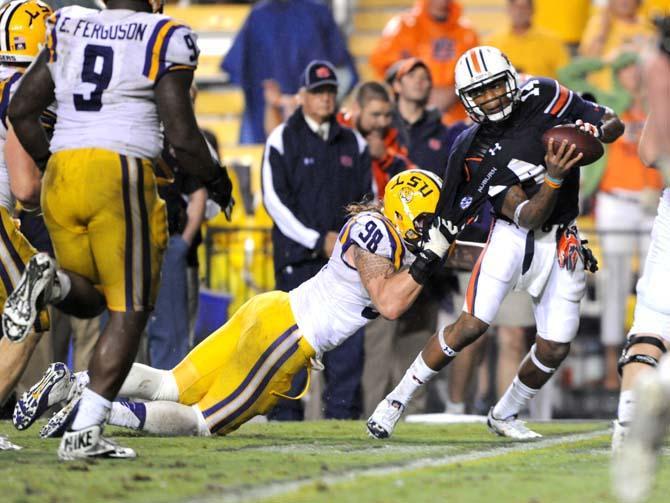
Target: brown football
<point>587,144</point>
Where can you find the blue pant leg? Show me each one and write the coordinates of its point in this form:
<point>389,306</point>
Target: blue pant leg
<point>342,396</point>
<point>168,325</point>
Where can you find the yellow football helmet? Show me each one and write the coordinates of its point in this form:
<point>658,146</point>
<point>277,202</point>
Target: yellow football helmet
<point>22,30</point>
<point>410,200</point>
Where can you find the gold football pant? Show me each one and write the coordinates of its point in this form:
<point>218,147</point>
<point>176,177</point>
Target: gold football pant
<point>107,223</point>
<point>241,370</point>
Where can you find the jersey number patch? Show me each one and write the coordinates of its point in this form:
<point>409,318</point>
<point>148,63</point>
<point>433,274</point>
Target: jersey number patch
<point>99,74</point>
<point>372,236</point>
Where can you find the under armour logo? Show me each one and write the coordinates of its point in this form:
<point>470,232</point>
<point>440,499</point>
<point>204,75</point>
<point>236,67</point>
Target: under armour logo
<point>493,150</point>
<point>308,161</point>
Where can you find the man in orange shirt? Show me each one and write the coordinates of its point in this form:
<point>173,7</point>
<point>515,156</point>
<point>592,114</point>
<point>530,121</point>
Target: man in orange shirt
<point>370,115</point>
<point>435,32</point>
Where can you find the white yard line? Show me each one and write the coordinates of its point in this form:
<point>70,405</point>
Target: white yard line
<point>279,488</point>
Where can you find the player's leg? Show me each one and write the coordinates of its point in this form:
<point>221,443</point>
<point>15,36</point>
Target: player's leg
<point>557,317</point>
<point>485,292</point>
<point>651,327</point>
<point>159,418</point>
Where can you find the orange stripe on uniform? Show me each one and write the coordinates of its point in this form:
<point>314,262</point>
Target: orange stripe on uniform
<point>562,98</point>
<point>475,61</point>
<point>471,292</point>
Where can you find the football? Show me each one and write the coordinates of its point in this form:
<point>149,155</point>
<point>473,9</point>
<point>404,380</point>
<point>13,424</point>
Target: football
<point>587,144</point>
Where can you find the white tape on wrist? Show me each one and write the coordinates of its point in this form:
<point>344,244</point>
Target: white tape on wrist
<point>517,211</point>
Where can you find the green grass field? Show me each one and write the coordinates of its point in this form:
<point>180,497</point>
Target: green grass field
<point>325,461</point>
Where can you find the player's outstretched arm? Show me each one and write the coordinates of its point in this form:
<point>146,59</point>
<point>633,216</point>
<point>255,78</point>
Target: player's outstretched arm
<point>392,292</point>
<point>532,213</point>
<point>33,95</point>
<point>175,110</point>
<point>25,179</point>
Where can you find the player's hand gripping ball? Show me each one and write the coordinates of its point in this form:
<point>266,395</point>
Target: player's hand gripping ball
<point>583,135</point>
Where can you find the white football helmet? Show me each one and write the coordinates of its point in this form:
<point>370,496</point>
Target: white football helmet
<point>479,67</point>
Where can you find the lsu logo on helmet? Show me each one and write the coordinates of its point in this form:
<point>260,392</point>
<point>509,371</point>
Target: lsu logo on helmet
<point>22,30</point>
<point>410,200</point>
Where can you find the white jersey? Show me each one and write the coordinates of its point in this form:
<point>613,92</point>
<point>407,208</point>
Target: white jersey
<point>104,65</point>
<point>334,304</point>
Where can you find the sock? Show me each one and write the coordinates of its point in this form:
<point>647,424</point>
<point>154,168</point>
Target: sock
<point>61,287</point>
<point>93,409</point>
<point>149,383</point>
<point>626,406</point>
<point>160,418</point>
<point>515,398</point>
<point>455,407</point>
<point>128,414</point>
<point>416,376</point>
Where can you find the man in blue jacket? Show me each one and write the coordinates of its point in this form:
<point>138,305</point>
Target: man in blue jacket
<point>312,168</point>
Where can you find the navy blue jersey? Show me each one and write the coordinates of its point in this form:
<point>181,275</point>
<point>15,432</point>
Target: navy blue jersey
<point>490,158</point>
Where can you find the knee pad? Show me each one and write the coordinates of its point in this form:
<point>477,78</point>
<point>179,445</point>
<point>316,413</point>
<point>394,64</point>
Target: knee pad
<point>625,358</point>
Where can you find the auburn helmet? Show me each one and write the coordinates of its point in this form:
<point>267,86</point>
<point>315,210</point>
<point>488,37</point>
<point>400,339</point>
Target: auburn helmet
<point>23,30</point>
<point>410,200</point>
<point>478,68</point>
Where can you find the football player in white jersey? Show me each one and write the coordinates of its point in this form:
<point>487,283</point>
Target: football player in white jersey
<point>533,243</point>
<point>116,75</point>
<point>644,403</point>
<point>22,34</point>
<point>243,368</point>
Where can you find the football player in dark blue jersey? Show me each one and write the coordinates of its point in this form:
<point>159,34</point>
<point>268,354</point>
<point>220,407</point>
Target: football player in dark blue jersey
<point>533,244</point>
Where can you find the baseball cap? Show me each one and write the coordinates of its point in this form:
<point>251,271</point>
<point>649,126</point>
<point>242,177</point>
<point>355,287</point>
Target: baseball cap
<point>318,73</point>
<point>407,65</point>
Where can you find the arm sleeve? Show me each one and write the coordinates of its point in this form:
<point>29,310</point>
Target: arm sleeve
<point>277,196</point>
<point>178,51</point>
<point>375,235</point>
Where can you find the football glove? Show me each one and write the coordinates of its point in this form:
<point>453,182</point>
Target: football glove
<point>590,260</point>
<point>569,249</point>
<point>220,191</point>
<point>432,249</point>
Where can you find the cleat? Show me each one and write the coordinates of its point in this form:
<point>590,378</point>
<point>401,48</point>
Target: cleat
<point>89,443</point>
<point>53,388</point>
<point>635,461</point>
<point>61,420</point>
<point>512,427</point>
<point>6,445</point>
<point>29,297</point>
<point>383,420</point>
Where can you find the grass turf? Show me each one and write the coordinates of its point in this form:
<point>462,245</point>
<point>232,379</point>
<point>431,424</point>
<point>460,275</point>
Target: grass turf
<point>319,455</point>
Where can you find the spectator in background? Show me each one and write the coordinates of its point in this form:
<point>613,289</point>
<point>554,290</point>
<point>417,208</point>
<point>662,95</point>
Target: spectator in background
<point>626,199</point>
<point>277,41</point>
<point>534,51</point>
<point>609,30</point>
<point>371,114</point>
<point>169,324</point>
<point>565,20</point>
<point>312,168</point>
<point>435,32</point>
<point>428,139</point>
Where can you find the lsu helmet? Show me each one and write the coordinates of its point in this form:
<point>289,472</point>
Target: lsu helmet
<point>478,68</point>
<point>410,200</point>
<point>22,30</point>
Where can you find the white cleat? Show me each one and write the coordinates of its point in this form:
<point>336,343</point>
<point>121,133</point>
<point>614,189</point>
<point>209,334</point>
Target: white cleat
<point>512,427</point>
<point>53,388</point>
<point>89,443</point>
<point>635,461</point>
<point>384,419</point>
<point>6,445</point>
<point>29,297</point>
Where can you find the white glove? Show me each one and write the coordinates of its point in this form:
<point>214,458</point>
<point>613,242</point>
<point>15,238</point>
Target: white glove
<point>588,128</point>
<point>437,241</point>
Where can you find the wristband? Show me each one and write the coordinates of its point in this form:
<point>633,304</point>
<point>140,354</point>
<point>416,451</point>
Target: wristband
<point>422,268</point>
<point>554,183</point>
